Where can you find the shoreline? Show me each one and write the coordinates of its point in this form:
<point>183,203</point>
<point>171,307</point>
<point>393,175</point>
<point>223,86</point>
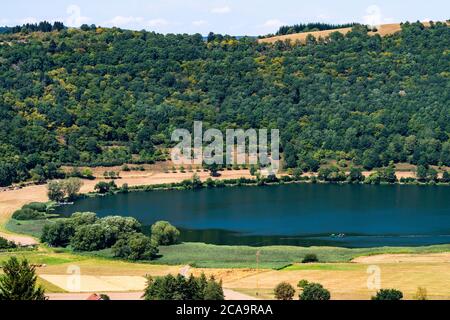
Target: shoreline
<point>13,199</point>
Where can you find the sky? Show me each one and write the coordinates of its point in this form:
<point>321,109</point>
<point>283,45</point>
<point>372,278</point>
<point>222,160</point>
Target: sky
<point>235,17</point>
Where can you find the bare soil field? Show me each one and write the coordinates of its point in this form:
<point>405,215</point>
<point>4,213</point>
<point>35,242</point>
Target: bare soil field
<point>405,258</point>
<point>383,30</point>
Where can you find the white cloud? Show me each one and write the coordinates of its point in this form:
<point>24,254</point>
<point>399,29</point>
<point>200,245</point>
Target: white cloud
<point>75,19</point>
<point>373,16</point>
<point>4,22</point>
<point>273,23</point>
<point>157,22</point>
<point>123,21</point>
<point>28,20</point>
<point>221,10</point>
<point>199,23</point>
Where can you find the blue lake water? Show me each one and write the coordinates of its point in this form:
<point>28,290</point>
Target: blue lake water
<point>296,214</point>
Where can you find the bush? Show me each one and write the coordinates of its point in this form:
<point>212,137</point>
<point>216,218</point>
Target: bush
<point>388,294</point>
<point>37,206</point>
<point>58,234</point>
<point>5,244</point>
<point>135,246</point>
<point>28,214</point>
<point>310,257</point>
<point>284,291</point>
<point>164,233</point>
<point>313,291</point>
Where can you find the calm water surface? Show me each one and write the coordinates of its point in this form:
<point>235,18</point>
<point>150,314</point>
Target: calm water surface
<point>298,214</point>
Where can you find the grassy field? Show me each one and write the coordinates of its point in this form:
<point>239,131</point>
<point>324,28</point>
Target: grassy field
<point>28,227</point>
<point>202,255</point>
<point>274,257</point>
<point>344,280</point>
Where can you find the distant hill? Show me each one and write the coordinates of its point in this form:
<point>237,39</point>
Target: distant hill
<point>382,30</point>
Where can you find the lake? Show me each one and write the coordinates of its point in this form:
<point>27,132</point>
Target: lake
<point>295,214</point>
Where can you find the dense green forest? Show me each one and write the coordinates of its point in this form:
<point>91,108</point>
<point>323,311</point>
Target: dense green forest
<point>96,96</point>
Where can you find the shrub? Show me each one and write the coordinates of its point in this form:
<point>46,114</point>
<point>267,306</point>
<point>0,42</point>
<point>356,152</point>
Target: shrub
<point>28,214</point>
<point>164,233</point>
<point>284,291</point>
<point>37,206</point>
<point>310,257</point>
<point>5,244</point>
<point>135,246</point>
<point>58,234</point>
<point>313,291</point>
<point>388,294</point>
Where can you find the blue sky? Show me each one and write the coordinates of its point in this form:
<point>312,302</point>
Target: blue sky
<point>236,17</point>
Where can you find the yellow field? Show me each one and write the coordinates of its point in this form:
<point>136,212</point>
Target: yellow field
<point>383,30</point>
<point>349,281</point>
<point>344,280</point>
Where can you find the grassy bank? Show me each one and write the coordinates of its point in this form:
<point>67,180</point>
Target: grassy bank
<point>217,256</point>
<point>203,255</point>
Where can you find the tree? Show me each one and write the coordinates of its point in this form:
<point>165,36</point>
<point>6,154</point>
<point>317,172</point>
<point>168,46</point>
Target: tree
<point>313,291</point>
<point>71,188</point>
<point>135,246</point>
<point>19,281</point>
<point>445,177</point>
<point>213,169</point>
<point>58,234</point>
<point>105,187</point>
<point>284,291</point>
<point>55,191</point>
<point>388,294</point>
<point>355,175</point>
<point>180,288</point>
<point>83,218</point>
<point>164,233</point>
<point>421,173</point>
<point>92,237</point>
<point>213,290</point>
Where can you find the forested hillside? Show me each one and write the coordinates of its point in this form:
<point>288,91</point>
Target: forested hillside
<point>108,96</point>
